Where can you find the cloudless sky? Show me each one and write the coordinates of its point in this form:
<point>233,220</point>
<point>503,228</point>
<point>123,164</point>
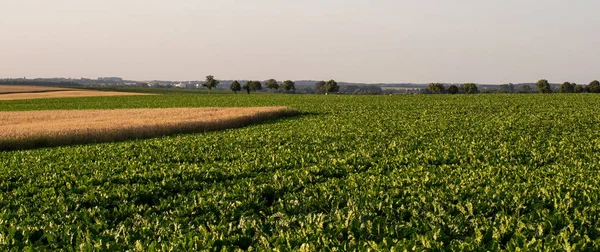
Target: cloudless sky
<point>419,41</point>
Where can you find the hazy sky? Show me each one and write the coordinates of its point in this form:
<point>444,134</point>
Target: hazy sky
<point>491,41</point>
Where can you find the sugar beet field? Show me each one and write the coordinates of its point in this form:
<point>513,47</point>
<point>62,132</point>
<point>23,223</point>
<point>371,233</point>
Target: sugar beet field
<point>464,172</point>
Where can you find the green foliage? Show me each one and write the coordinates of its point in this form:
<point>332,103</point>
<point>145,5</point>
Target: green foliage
<point>567,87</point>
<point>594,87</point>
<point>252,86</point>
<point>155,90</point>
<point>247,86</point>
<point>525,89</point>
<point>361,89</point>
<point>543,86</point>
<point>210,82</point>
<point>331,87</point>
<point>453,89</point>
<point>470,88</point>
<point>40,82</point>
<point>255,85</point>
<point>320,87</point>
<point>235,86</point>
<point>381,173</point>
<point>507,88</point>
<point>436,88</point>
<point>578,89</point>
<point>288,86</point>
<point>272,84</point>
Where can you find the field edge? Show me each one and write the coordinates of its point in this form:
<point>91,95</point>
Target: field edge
<point>143,132</point>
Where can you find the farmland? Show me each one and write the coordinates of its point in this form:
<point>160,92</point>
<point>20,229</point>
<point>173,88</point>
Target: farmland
<point>30,129</point>
<point>17,92</point>
<point>11,89</point>
<point>464,172</point>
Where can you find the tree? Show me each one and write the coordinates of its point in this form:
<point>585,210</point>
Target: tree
<point>247,86</point>
<point>525,89</point>
<point>567,87</point>
<point>255,85</point>
<point>453,89</point>
<point>543,86</point>
<point>507,88</point>
<point>331,87</point>
<point>594,87</point>
<point>320,87</point>
<point>470,88</point>
<point>235,86</point>
<point>210,82</point>
<point>578,88</point>
<point>271,84</point>
<point>436,88</point>
<point>288,85</point>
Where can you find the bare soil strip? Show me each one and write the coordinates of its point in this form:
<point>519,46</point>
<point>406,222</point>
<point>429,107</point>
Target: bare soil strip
<point>9,92</point>
<point>32,129</point>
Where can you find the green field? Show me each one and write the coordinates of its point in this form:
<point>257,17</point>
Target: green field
<point>423,172</point>
<point>159,90</point>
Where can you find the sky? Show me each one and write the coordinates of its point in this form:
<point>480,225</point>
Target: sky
<point>371,41</point>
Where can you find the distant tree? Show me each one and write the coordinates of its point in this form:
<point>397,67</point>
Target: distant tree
<point>210,82</point>
<point>436,88</point>
<point>452,89</point>
<point>235,86</point>
<point>271,84</point>
<point>567,87</point>
<point>470,88</point>
<point>360,89</point>
<point>525,89</point>
<point>578,88</point>
<point>374,90</point>
<point>543,86</point>
<point>424,91</point>
<point>255,86</point>
<point>594,87</point>
<point>507,88</point>
<point>247,86</point>
<point>320,87</point>
<point>288,85</point>
<point>331,87</point>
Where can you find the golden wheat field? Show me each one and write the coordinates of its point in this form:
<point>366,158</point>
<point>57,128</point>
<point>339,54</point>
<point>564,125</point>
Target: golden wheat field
<point>10,92</point>
<point>27,129</point>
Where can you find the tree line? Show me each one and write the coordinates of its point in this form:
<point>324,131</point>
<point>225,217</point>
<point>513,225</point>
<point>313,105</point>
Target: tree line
<point>250,86</point>
<point>567,87</point>
<point>40,82</point>
<point>287,86</point>
<point>331,86</point>
<point>542,85</point>
<point>438,88</point>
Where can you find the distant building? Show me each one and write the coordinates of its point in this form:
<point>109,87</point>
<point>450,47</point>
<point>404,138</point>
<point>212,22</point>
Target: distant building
<point>189,84</point>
